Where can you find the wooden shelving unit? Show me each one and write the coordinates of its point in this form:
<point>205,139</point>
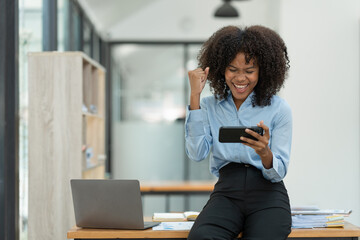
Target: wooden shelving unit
<point>66,136</point>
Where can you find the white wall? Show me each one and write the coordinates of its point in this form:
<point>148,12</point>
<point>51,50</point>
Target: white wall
<point>323,90</point>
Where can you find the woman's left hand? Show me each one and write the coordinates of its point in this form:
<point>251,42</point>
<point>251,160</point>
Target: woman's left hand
<point>261,146</point>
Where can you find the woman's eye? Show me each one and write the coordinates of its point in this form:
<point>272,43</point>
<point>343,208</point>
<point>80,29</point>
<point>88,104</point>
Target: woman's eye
<point>249,72</point>
<point>232,70</point>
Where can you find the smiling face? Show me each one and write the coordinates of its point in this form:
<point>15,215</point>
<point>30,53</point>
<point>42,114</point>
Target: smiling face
<point>241,77</point>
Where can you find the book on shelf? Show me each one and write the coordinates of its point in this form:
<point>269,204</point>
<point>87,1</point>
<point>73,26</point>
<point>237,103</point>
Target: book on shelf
<point>175,217</point>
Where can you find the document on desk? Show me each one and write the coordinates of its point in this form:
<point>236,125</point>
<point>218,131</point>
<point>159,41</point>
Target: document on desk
<point>175,217</point>
<point>173,226</point>
<point>322,212</point>
<point>317,221</point>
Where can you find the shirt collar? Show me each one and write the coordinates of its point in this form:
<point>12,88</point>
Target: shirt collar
<point>248,100</point>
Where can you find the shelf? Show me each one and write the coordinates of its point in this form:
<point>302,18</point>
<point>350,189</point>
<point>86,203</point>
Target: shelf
<point>92,115</point>
<point>66,134</point>
<point>101,162</point>
<point>94,172</point>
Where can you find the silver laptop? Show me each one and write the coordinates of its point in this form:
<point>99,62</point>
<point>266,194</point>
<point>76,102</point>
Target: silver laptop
<point>108,204</point>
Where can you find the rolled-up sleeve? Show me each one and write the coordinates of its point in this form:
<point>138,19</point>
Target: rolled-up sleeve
<point>198,139</point>
<point>280,146</point>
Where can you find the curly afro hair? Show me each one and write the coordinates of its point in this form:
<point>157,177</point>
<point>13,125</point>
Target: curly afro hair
<point>259,43</point>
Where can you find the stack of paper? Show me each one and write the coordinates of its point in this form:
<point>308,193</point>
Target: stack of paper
<point>314,217</point>
<point>317,221</point>
<point>175,217</point>
<point>305,208</point>
<point>321,212</point>
<point>335,221</point>
<point>168,217</point>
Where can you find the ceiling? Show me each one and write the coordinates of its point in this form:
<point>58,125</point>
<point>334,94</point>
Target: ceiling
<point>172,19</point>
<point>106,14</point>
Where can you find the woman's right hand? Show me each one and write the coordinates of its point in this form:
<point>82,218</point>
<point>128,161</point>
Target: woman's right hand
<point>197,79</point>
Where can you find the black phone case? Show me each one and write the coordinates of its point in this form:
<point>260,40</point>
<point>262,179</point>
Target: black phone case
<point>233,134</point>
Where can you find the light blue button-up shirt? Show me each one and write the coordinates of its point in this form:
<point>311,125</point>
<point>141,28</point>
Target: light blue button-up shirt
<point>202,133</point>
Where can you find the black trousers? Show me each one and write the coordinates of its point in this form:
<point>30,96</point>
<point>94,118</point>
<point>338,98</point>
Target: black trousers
<point>244,201</point>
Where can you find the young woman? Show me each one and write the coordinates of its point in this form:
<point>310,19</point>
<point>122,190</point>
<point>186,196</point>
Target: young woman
<point>245,67</point>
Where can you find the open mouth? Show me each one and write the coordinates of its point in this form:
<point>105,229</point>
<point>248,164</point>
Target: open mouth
<point>240,88</point>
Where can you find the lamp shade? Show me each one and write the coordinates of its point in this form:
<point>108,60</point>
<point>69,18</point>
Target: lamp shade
<point>226,10</point>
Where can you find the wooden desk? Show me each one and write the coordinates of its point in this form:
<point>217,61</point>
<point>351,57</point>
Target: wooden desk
<point>168,188</point>
<point>348,232</point>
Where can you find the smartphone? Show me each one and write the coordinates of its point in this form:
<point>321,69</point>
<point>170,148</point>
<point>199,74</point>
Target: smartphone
<point>233,134</point>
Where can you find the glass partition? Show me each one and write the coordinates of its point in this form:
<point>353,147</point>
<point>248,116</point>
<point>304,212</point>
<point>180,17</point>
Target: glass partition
<point>30,40</point>
<point>148,128</point>
<point>147,136</point>
<point>197,170</point>
<point>87,38</point>
<point>150,93</point>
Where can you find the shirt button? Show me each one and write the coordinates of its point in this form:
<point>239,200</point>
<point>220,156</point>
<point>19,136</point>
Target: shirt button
<point>247,165</point>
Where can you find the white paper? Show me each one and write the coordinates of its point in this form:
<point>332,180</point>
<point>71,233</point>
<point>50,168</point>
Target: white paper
<point>173,226</point>
<point>322,212</point>
<point>305,208</point>
<point>190,213</point>
<point>169,215</point>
